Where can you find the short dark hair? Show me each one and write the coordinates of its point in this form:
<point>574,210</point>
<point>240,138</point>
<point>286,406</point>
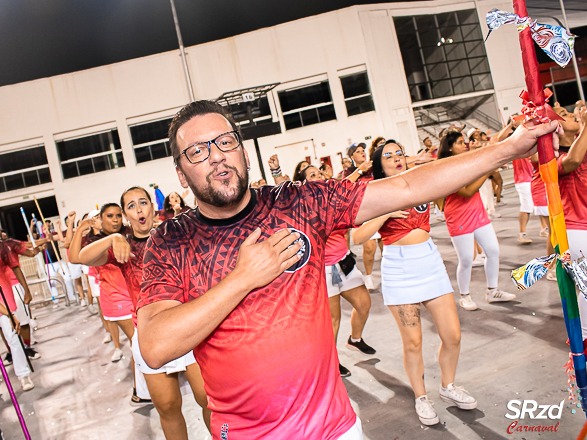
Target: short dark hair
<point>105,206</point>
<point>193,109</point>
<point>132,188</point>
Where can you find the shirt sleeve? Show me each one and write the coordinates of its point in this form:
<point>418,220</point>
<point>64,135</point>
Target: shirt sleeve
<point>161,271</point>
<point>17,248</point>
<point>337,202</point>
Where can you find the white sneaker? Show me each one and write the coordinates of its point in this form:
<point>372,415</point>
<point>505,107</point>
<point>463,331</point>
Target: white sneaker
<point>83,303</point>
<point>459,396</point>
<point>107,338</point>
<point>93,310</point>
<point>544,232</point>
<point>523,238</point>
<point>496,295</point>
<point>369,282</point>
<point>479,261</point>
<point>117,355</point>
<point>26,383</point>
<point>494,214</point>
<point>426,412</point>
<point>467,303</point>
<point>551,275</point>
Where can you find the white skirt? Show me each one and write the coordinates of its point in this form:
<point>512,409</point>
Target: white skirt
<point>412,274</point>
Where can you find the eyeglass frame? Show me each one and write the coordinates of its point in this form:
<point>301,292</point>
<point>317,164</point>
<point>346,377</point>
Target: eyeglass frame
<point>399,153</point>
<point>209,147</point>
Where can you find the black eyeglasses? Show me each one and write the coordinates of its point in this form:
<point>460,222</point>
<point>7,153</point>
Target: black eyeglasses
<point>200,151</point>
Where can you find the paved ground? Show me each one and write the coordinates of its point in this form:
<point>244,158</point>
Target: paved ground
<point>509,351</point>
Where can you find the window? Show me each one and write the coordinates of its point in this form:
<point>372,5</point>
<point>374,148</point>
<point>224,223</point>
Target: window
<point>150,140</point>
<point>357,93</point>
<point>24,168</point>
<point>307,105</point>
<point>443,54</point>
<point>260,111</point>
<point>90,154</point>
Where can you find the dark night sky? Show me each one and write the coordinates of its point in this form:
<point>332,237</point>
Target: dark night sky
<point>41,38</point>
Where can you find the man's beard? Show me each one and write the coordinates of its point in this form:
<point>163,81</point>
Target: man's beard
<point>214,197</point>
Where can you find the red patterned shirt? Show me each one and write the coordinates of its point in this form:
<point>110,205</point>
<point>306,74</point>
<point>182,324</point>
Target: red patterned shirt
<point>270,368</point>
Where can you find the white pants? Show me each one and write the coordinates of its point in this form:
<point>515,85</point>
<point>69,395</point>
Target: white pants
<point>22,311</point>
<point>54,269</point>
<point>578,248</point>
<point>355,433</point>
<point>21,367</point>
<point>464,245</point>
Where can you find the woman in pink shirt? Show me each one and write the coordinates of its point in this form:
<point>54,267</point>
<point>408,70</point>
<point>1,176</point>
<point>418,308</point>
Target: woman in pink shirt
<point>572,168</point>
<point>467,221</point>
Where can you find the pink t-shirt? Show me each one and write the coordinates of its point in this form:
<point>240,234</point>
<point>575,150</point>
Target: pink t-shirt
<point>336,247</point>
<point>9,251</point>
<point>522,170</point>
<point>464,214</point>
<point>573,189</point>
<point>538,188</point>
<point>395,229</point>
<point>262,382</point>
<point>132,270</point>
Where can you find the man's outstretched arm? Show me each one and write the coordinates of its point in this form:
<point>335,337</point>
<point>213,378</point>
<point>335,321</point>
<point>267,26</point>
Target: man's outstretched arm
<point>443,177</point>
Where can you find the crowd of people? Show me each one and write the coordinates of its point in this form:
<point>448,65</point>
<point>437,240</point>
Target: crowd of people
<point>224,292</point>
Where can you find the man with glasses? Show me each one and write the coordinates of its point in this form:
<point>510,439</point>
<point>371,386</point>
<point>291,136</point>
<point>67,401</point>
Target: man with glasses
<point>241,277</point>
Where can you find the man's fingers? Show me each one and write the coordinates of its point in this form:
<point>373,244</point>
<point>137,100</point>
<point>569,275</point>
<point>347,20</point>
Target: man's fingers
<point>252,238</point>
<point>278,236</point>
<point>285,241</point>
<point>289,262</point>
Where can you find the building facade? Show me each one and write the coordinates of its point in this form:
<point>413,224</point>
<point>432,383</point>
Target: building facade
<point>398,70</point>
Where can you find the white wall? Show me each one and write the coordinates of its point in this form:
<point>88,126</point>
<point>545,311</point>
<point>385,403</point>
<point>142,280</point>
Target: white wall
<point>149,88</point>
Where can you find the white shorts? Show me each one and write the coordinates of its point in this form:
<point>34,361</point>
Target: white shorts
<point>350,281</point>
<point>524,190</point>
<point>175,366</point>
<point>22,312</point>
<point>541,211</point>
<point>94,286</point>
<point>376,236</point>
<point>355,433</point>
<point>75,270</point>
<point>117,318</point>
<point>412,274</point>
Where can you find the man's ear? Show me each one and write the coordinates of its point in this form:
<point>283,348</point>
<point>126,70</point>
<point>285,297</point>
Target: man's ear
<point>182,180</point>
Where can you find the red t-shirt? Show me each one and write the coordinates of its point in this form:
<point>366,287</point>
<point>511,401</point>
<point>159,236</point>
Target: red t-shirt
<point>336,247</point>
<point>538,188</point>
<point>115,298</point>
<point>573,189</point>
<point>270,368</point>
<point>464,214</point>
<point>522,170</point>
<point>10,249</point>
<point>132,270</point>
<point>395,229</point>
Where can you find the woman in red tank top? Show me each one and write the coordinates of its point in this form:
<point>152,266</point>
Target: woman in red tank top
<point>413,274</point>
